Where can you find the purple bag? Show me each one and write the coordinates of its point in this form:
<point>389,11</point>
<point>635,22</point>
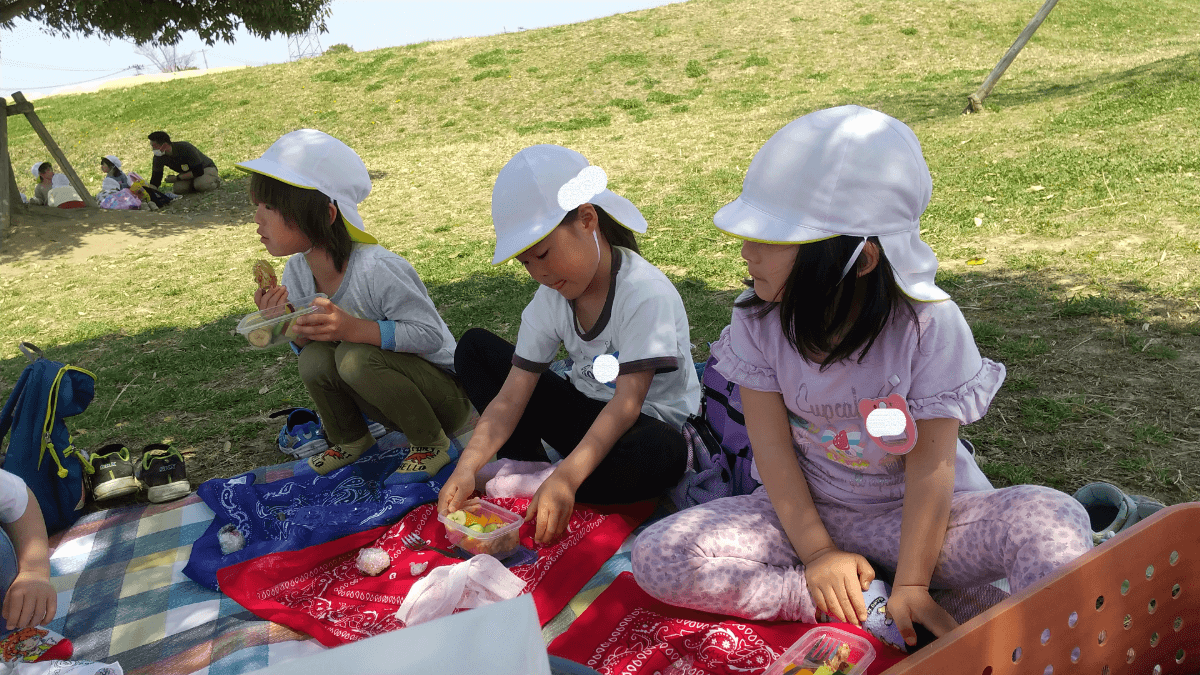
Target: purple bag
<point>721,458</point>
<point>124,199</point>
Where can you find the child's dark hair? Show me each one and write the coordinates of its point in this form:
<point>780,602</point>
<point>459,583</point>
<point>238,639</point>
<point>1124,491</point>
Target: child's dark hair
<point>159,137</point>
<point>45,166</point>
<point>308,210</point>
<point>614,233</point>
<point>815,306</point>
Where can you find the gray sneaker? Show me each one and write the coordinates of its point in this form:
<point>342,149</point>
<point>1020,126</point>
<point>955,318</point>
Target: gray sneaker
<point>1111,510</point>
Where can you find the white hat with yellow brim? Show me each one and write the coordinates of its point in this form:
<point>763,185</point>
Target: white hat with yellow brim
<point>539,186</point>
<point>314,160</point>
<point>841,171</point>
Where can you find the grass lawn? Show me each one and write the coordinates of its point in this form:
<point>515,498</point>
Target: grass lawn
<point>1077,188</point>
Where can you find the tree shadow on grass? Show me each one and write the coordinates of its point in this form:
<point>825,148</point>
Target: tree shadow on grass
<point>40,233</point>
<point>1098,388</point>
<point>1091,393</point>
<point>936,98</point>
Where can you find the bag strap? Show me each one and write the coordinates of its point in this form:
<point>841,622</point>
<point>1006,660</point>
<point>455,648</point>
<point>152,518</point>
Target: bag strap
<point>734,414</point>
<point>31,351</point>
<point>47,442</point>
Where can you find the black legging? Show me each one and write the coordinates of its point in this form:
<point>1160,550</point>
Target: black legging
<point>646,461</point>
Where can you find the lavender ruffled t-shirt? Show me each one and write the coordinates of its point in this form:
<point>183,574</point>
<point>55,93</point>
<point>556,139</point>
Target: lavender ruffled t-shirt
<point>943,377</point>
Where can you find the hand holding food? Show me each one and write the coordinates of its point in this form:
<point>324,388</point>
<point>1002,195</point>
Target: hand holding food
<point>332,324</point>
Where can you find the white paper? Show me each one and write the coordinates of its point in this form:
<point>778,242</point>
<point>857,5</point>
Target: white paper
<point>504,638</point>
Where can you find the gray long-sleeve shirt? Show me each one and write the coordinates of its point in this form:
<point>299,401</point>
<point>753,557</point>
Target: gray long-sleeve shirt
<point>379,285</point>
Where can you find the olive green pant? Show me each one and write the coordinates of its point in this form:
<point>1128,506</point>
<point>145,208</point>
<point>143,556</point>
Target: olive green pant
<point>206,181</point>
<point>399,390</point>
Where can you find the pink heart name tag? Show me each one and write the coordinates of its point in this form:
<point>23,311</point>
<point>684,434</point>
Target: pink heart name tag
<point>889,423</point>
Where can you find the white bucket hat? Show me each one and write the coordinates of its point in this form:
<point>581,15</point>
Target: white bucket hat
<point>34,169</point>
<point>314,160</point>
<point>539,186</point>
<point>841,171</point>
<point>109,185</point>
<point>112,159</point>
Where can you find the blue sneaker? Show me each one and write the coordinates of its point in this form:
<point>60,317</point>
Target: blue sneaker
<point>302,435</point>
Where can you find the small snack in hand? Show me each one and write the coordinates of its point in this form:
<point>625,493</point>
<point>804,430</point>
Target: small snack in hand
<point>373,561</point>
<point>264,275</point>
<point>418,568</point>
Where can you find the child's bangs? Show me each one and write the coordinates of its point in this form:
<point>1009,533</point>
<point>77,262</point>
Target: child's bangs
<point>268,190</point>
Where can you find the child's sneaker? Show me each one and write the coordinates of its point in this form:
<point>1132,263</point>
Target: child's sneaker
<point>302,435</point>
<point>1109,509</point>
<point>164,473</point>
<point>114,473</point>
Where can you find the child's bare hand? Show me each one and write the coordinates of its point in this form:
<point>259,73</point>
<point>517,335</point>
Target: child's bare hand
<point>552,505</point>
<point>913,604</point>
<point>456,491</point>
<point>836,581</point>
<point>272,297</point>
<point>30,601</point>
<point>331,324</point>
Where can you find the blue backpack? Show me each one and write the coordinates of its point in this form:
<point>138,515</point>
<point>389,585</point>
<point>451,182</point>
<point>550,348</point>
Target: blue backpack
<point>40,450</point>
<point>721,457</point>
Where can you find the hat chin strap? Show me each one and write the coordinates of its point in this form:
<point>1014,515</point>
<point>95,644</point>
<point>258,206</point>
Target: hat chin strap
<point>853,259</point>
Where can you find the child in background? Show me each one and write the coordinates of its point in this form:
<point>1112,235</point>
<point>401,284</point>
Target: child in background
<point>44,172</point>
<point>378,346</point>
<point>62,194</point>
<point>844,313</point>
<point>632,385</point>
<point>111,166</point>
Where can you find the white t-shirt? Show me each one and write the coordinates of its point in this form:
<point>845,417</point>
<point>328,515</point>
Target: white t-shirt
<point>643,325</point>
<point>14,497</point>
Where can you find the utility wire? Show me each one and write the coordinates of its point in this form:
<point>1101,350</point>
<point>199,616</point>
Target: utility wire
<point>22,64</point>
<point>68,84</point>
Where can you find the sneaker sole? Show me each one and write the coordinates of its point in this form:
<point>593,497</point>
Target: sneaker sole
<point>118,487</point>
<point>169,492</point>
<point>312,448</point>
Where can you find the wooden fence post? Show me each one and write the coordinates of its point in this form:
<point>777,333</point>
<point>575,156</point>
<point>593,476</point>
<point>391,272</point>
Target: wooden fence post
<point>975,101</point>
<point>55,152</point>
<point>5,180</point>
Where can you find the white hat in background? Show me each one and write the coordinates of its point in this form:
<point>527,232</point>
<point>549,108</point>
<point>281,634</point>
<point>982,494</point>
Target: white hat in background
<point>841,171</point>
<point>109,185</point>
<point>112,159</point>
<point>34,169</point>
<point>60,180</point>
<point>539,186</point>
<point>314,160</point>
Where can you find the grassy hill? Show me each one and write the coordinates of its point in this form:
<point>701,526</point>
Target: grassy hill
<point>1077,185</point>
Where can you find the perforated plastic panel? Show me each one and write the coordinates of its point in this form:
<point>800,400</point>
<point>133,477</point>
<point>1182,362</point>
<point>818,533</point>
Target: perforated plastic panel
<point>1131,605</point>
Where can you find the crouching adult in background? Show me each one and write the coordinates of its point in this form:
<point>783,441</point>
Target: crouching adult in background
<point>196,172</point>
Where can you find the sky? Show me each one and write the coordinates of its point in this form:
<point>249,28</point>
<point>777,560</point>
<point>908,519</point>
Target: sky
<point>38,64</point>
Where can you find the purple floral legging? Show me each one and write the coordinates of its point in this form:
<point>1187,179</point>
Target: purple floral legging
<point>731,556</point>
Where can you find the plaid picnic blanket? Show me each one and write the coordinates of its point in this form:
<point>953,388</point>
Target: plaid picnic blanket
<point>122,596</point>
